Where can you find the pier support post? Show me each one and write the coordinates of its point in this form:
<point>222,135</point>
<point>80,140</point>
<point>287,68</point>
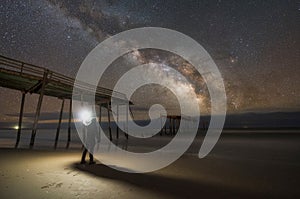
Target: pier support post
<point>166,125</point>
<point>170,126</point>
<point>100,114</point>
<point>69,124</point>
<point>174,125</point>
<point>100,119</point>
<point>161,126</point>
<point>59,123</point>
<point>127,112</point>
<point>117,121</point>
<point>38,110</point>
<point>20,119</point>
<point>109,127</point>
<point>177,124</point>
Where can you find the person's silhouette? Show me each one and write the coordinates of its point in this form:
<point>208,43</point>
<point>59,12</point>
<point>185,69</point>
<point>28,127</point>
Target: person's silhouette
<point>90,136</point>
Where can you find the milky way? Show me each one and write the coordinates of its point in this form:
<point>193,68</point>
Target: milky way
<point>255,44</point>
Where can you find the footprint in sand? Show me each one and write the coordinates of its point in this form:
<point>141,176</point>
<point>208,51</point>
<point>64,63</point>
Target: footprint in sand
<point>69,172</point>
<point>49,185</point>
<point>58,185</point>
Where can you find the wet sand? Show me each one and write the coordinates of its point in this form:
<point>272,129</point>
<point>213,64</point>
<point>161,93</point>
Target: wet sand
<point>240,166</point>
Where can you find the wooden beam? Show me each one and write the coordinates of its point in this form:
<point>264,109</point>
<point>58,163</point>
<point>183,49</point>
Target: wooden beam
<point>166,126</point>
<point>69,124</point>
<point>161,126</point>
<point>15,74</point>
<point>59,123</point>
<point>38,110</point>
<point>174,125</point>
<point>36,88</point>
<point>117,121</point>
<point>126,130</point>
<point>20,119</point>
<point>108,117</point>
<point>100,114</point>
<point>177,124</point>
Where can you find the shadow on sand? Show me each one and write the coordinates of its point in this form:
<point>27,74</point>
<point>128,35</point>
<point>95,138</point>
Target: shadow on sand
<point>165,185</point>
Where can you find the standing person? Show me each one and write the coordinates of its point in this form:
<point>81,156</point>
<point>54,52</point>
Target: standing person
<point>91,136</point>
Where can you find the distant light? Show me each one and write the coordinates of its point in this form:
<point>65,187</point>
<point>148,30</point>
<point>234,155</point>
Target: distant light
<point>85,117</point>
<point>16,127</point>
<point>233,59</point>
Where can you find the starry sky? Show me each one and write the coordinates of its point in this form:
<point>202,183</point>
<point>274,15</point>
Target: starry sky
<point>255,44</point>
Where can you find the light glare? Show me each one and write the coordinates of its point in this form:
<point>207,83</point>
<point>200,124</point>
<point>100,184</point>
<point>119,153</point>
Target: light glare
<point>86,117</point>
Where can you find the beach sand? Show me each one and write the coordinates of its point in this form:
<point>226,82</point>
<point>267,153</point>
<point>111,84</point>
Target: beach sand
<point>240,166</point>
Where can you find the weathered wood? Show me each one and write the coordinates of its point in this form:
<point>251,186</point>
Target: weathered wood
<point>108,117</point>
<point>126,130</point>
<point>117,122</point>
<point>177,124</point>
<point>59,123</point>
<point>166,127</point>
<point>174,126</point>
<point>20,119</point>
<point>170,126</point>
<point>69,124</point>
<point>100,114</point>
<point>161,126</point>
<point>15,74</point>
<point>38,110</point>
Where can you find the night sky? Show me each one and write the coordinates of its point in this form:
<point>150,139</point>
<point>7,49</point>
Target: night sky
<point>255,44</point>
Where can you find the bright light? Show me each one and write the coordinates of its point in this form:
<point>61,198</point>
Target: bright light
<point>86,117</point>
<point>16,127</point>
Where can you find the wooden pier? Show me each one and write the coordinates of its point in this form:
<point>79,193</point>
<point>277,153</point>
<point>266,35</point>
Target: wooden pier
<point>29,78</point>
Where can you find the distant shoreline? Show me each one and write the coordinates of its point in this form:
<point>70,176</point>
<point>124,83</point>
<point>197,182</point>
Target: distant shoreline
<point>226,129</point>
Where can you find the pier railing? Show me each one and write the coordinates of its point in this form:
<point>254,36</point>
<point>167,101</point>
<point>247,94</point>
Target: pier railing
<point>22,69</point>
